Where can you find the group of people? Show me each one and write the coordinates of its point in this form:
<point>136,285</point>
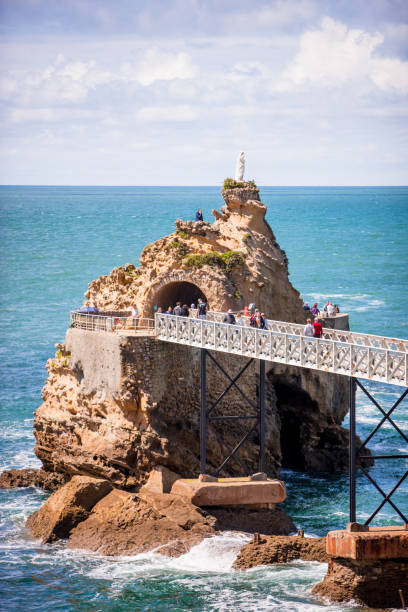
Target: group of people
<point>184,311</point>
<point>256,319</point>
<point>329,310</point>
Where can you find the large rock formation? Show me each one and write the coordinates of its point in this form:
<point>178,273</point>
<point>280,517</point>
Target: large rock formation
<point>116,405</point>
<point>92,515</point>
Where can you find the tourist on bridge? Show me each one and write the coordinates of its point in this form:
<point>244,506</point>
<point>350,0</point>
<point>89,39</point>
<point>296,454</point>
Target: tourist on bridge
<point>265,321</point>
<point>308,329</point>
<point>169,310</point>
<point>135,315</point>
<point>199,215</point>
<point>239,320</point>
<point>185,310</point>
<point>318,329</point>
<point>178,311</point>
<point>229,318</point>
<point>202,309</point>
<point>246,311</point>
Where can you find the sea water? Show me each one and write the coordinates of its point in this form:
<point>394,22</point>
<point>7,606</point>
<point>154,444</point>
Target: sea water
<point>348,245</point>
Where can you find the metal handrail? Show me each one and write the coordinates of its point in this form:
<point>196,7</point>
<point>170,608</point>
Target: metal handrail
<point>339,335</point>
<point>108,322</point>
<point>327,355</point>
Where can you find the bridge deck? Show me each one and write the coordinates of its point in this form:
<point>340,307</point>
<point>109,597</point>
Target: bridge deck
<point>364,356</point>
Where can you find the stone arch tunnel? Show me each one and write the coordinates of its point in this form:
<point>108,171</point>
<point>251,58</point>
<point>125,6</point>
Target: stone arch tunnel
<point>178,291</point>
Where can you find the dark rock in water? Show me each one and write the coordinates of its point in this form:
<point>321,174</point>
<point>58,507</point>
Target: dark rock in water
<point>51,481</point>
<point>67,507</point>
<point>281,549</point>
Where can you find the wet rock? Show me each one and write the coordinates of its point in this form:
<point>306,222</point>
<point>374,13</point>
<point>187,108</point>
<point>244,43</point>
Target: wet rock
<point>50,481</point>
<point>367,582</point>
<point>122,523</point>
<point>280,549</point>
<point>67,507</point>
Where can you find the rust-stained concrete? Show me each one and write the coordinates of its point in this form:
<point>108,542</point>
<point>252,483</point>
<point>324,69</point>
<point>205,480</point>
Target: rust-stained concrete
<point>230,492</point>
<point>375,543</point>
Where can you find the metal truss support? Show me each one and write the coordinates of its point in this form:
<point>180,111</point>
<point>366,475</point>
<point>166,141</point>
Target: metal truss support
<point>355,454</point>
<point>206,419</point>
<point>203,413</point>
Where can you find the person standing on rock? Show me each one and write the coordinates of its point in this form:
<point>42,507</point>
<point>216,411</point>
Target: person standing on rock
<point>202,309</point>
<point>199,215</point>
<point>308,329</point>
<point>317,328</point>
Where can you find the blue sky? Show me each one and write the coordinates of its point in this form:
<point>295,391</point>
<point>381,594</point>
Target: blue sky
<point>167,92</point>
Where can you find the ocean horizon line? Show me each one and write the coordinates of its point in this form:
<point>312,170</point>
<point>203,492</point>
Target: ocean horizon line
<point>2,185</point>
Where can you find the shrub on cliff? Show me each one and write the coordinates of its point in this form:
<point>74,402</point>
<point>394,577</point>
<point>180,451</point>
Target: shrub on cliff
<point>227,261</point>
<point>231,183</point>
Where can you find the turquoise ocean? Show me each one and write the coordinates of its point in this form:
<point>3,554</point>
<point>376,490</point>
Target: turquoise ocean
<point>349,245</point>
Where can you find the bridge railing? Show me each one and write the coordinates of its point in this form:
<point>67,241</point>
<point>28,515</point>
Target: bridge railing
<point>112,322</point>
<point>327,355</point>
<point>396,344</point>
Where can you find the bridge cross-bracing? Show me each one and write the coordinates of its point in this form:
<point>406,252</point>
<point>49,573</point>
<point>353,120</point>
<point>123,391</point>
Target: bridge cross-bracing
<point>363,356</point>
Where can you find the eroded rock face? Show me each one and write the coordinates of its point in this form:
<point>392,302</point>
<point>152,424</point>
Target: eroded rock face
<point>279,549</point>
<point>375,584</point>
<point>241,227</point>
<point>67,507</point>
<point>50,481</point>
<point>116,406</point>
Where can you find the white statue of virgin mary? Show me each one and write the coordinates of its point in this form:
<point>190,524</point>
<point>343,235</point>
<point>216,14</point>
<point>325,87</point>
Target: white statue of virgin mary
<point>240,167</point>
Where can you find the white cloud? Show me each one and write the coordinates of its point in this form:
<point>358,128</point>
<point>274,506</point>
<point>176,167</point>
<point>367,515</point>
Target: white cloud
<point>335,55</point>
<point>168,113</point>
<point>51,115</point>
<point>159,65</point>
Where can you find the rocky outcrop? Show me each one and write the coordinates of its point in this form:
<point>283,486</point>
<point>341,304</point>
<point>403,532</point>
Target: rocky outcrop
<point>116,405</point>
<point>376,584</point>
<point>50,481</point>
<point>67,507</point>
<point>279,549</point>
<point>92,515</point>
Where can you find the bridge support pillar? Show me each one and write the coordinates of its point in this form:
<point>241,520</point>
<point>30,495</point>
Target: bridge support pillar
<point>203,413</point>
<point>262,415</point>
<point>207,419</point>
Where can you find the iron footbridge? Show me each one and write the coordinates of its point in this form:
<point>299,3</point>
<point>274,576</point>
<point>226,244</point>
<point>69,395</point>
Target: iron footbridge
<point>365,356</point>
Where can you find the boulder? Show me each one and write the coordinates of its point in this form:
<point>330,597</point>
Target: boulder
<point>160,480</point>
<point>280,549</point>
<point>51,481</point>
<point>67,507</point>
<point>124,523</point>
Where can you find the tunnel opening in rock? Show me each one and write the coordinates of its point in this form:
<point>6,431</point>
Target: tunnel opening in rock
<point>295,407</point>
<point>181,291</point>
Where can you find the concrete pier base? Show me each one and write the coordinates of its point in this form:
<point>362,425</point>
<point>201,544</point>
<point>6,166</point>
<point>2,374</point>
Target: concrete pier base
<point>230,492</point>
<point>368,565</point>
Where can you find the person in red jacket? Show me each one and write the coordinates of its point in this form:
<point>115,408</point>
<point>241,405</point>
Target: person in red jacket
<point>318,329</point>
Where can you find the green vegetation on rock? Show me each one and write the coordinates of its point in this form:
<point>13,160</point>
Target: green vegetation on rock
<point>182,234</point>
<point>181,247</point>
<point>231,183</point>
<point>227,261</point>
